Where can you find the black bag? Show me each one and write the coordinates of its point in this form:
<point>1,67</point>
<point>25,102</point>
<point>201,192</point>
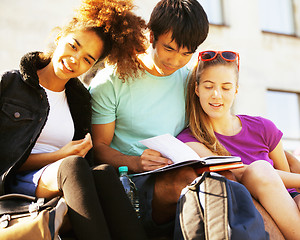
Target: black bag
<point>214,208</point>
<point>25,215</point>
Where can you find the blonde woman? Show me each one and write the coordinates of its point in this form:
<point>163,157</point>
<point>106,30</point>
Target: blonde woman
<point>215,130</point>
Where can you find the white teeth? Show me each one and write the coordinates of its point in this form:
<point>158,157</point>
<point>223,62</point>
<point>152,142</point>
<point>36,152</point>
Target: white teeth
<point>67,66</point>
<point>216,104</point>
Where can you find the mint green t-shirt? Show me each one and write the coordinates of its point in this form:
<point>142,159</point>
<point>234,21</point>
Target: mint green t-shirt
<point>141,108</point>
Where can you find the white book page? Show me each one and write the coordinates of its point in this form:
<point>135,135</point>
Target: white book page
<point>170,147</point>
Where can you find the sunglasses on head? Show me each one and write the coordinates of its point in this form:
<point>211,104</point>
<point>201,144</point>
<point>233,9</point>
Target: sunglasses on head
<point>226,55</point>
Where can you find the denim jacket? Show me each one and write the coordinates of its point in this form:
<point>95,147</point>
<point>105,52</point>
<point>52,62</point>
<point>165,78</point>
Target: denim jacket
<point>24,110</point>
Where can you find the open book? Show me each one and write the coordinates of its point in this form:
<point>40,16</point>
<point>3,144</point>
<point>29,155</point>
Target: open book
<point>182,155</point>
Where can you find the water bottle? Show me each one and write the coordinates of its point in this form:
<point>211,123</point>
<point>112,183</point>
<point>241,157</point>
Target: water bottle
<point>130,189</point>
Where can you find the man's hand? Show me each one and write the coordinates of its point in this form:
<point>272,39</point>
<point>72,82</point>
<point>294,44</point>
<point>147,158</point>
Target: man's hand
<point>151,160</point>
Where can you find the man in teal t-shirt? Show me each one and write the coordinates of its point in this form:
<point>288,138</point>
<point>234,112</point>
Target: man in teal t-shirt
<point>150,105</point>
<point>138,107</point>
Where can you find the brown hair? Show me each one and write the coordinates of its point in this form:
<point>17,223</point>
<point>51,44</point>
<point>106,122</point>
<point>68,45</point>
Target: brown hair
<point>121,31</point>
<point>198,120</point>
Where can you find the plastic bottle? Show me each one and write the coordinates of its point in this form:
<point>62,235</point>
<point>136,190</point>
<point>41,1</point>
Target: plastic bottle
<point>130,189</point>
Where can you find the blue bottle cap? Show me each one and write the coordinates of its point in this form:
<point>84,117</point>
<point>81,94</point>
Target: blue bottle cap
<point>123,169</point>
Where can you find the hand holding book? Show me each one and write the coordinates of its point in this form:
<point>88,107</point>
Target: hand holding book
<point>182,155</point>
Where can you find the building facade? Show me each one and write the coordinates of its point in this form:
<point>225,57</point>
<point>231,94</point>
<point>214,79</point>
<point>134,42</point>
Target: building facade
<point>266,33</point>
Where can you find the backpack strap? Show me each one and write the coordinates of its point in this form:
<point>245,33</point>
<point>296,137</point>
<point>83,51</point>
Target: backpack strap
<point>203,213</point>
<point>213,196</point>
<point>190,215</point>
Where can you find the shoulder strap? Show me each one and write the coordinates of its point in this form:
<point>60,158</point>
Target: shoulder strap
<point>213,197</point>
<point>202,209</point>
<point>190,215</point>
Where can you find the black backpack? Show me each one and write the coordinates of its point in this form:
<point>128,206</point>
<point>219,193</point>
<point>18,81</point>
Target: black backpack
<point>215,208</point>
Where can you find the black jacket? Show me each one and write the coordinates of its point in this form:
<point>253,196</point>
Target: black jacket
<point>24,110</point>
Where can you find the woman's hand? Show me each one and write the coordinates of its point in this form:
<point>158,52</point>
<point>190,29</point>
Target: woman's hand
<point>39,160</point>
<point>151,160</point>
<point>78,147</point>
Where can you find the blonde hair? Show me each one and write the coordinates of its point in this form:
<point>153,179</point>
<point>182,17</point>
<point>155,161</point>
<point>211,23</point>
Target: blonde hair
<point>198,121</point>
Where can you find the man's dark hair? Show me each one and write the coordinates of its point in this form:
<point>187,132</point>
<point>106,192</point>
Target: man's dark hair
<point>185,18</point>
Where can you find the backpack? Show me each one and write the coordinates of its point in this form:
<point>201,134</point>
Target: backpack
<point>214,208</point>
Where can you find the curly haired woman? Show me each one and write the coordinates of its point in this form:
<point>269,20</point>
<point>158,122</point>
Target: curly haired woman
<point>45,116</point>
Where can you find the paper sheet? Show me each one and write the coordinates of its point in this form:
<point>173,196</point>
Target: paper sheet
<point>170,147</point>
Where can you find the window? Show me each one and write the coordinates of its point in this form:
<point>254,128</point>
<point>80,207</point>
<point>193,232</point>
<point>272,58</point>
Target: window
<point>283,110</point>
<point>214,11</point>
<point>277,16</point>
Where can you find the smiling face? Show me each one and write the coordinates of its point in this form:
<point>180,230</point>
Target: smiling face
<point>217,90</point>
<point>76,53</point>
<point>167,56</point>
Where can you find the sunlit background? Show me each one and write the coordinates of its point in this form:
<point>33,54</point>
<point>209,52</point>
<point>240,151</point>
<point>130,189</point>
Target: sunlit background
<point>265,33</point>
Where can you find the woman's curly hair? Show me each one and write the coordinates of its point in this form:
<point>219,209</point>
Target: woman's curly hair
<point>124,28</point>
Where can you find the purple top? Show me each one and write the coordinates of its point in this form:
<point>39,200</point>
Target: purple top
<point>258,137</point>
